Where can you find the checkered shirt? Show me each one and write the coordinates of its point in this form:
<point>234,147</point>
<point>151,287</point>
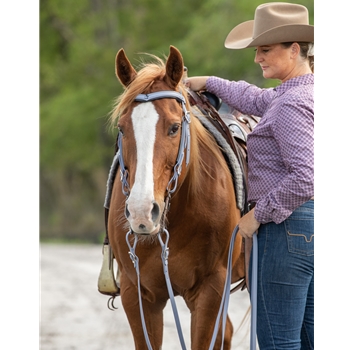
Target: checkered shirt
<point>281,147</point>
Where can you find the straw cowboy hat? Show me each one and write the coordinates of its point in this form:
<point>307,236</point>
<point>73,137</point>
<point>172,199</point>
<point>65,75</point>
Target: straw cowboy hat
<point>273,23</point>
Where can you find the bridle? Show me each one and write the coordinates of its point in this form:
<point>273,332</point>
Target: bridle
<point>184,151</point>
<point>184,147</point>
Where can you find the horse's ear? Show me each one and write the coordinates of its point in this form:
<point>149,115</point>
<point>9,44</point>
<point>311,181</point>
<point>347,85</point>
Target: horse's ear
<point>123,68</point>
<point>174,67</point>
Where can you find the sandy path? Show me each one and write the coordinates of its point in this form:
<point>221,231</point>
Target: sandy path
<point>74,315</point>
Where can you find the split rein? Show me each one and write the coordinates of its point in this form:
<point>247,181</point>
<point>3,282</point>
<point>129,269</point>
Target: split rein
<point>184,150</point>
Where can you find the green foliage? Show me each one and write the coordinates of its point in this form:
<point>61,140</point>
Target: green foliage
<point>78,44</point>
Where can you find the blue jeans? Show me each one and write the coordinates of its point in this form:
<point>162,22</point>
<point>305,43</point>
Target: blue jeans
<point>285,298</point>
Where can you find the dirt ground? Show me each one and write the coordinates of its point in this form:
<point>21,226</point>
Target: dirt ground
<point>74,315</point>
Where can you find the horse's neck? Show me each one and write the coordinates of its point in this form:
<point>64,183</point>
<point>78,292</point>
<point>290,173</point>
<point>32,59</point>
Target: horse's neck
<point>230,130</point>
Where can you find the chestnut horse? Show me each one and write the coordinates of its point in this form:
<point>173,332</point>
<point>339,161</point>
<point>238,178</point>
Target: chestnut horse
<point>157,165</point>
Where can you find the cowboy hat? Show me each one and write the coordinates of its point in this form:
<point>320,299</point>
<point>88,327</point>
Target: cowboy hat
<point>274,22</point>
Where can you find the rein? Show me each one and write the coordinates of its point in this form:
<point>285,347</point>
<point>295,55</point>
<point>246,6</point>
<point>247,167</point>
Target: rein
<point>223,310</point>
<point>184,150</point>
<point>165,254</point>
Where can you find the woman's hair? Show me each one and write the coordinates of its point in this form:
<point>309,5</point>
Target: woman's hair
<point>306,51</point>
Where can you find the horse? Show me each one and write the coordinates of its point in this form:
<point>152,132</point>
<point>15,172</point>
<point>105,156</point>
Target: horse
<point>168,185</point>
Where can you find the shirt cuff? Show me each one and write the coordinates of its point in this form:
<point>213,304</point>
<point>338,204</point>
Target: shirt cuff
<point>266,212</point>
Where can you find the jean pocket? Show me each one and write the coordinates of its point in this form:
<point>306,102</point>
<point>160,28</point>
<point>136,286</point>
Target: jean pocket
<point>300,232</point>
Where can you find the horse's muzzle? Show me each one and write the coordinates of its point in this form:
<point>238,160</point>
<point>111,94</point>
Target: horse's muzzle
<point>144,219</point>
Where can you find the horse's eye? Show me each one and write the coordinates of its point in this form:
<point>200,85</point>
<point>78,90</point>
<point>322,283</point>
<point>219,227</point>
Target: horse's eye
<point>173,130</point>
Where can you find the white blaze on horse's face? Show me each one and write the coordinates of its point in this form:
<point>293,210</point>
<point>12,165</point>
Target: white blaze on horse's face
<point>142,212</point>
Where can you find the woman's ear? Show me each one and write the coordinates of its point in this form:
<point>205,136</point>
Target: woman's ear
<point>295,49</point>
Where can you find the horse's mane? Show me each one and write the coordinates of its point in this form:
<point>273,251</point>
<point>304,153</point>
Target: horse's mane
<point>147,74</point>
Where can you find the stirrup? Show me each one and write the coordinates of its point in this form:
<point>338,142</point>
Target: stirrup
<point>107,283</point>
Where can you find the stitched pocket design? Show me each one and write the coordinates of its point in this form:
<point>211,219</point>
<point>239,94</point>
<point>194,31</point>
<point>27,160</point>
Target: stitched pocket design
<point>300,232</point>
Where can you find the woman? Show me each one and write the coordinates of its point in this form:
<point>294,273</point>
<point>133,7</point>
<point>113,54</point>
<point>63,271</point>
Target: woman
<point>280,168</point>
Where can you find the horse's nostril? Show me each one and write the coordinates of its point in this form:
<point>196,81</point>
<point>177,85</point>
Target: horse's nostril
<point>127,213</point>
<point>155,212</point>
<point>142,227</point>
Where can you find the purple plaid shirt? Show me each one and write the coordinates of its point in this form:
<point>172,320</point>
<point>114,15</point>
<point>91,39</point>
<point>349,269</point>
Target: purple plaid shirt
<point>281,147</point>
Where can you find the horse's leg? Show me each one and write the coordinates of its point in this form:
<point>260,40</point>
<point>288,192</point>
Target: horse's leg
<point>204,308</point>
<point>153,313</point>
<point>228,334</point>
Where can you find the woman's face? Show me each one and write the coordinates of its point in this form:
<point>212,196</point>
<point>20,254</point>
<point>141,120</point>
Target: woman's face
<point>276,61</point>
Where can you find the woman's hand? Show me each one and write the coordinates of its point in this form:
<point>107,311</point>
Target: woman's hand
<point>248,224</point>
<point>196,83</point>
